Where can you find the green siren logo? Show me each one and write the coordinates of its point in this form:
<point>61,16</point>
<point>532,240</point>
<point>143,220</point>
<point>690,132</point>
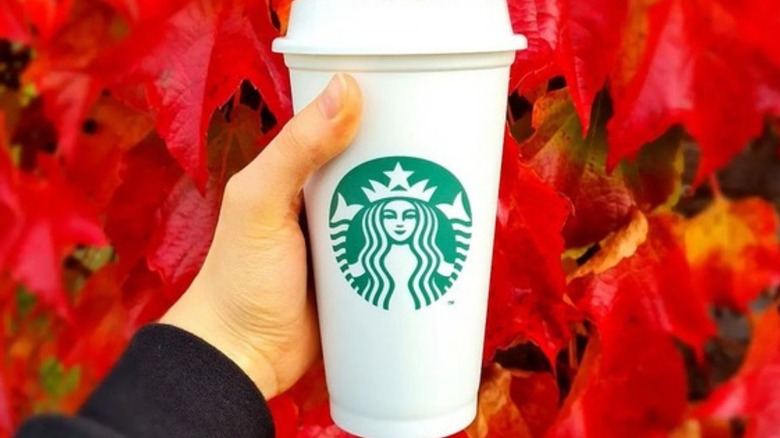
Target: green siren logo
<point>401,229</point>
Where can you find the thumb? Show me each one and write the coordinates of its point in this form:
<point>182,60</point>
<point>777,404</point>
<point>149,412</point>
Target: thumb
<point>272,182</point>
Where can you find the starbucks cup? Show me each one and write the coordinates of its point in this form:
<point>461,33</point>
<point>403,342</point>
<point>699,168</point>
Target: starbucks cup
<point>401,224</point>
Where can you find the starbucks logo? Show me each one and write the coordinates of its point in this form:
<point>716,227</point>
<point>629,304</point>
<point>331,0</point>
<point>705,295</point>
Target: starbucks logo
<point>400,226</point>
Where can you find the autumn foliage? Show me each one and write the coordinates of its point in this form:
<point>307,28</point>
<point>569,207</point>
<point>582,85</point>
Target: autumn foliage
<point>631,295</point>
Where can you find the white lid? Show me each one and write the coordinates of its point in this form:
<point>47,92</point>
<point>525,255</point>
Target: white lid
<point>398,27</point>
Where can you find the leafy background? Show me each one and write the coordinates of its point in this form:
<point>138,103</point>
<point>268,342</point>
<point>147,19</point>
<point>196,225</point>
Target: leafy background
<point>636,271</point>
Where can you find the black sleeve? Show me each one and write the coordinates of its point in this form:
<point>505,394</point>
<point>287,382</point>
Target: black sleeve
<point>169,383</point>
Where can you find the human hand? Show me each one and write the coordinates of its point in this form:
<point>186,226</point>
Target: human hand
<point>250,298</point>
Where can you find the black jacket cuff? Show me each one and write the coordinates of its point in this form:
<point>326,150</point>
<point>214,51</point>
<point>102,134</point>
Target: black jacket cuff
<point>171,383</point>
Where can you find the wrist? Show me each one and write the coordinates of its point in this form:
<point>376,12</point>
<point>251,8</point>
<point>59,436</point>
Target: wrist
<point>194,314</point>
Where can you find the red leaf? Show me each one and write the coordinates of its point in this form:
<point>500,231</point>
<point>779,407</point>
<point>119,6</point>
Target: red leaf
<point>757,19</point>
<point>588,43</point>
<point>308,401</point>
<point>656,280</point>
<point>145,11</point>
<point>284,411</point>
<point>196,61</point>
<point>191,62</point>
<point>6,413</point>
<point>149,174</point>
<point>632,379</point>
<point>752,393</point>
<point>12,21</point>
<point>46,17</point>
<point>9,199</point>
<point>133,216</point>
<point>697,71</point>
<point>527,285</point>
<point>183,235</point>
<point>319,424</point>
<point>187,217</point>
<point>579,39</point>
<point>538,21</point>
<point>311,393</point>
<point>145,297</point>
<point>63,72</point>
<point>68,97</point>
<point>316,431</point>
<point>734,251</point>
<point>631,382</point>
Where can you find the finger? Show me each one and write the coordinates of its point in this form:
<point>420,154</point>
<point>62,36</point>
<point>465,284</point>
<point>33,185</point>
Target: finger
<point>272,182</point>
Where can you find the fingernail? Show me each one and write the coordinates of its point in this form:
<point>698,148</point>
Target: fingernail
<point>331,100</point>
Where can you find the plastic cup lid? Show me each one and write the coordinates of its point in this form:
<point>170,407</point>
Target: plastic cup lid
<point>398,27</point>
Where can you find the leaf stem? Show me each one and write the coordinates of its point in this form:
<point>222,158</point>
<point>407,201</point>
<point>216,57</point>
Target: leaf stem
<point>715,186</point>
<point>573,365</point>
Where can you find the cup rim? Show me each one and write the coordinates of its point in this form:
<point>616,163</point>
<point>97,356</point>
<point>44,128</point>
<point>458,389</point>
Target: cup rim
<point>286,45</point>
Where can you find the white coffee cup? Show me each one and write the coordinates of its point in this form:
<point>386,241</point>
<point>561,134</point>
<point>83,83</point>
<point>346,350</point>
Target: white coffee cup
<point>401,224</point>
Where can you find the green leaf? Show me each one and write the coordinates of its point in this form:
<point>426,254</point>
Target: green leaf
<point>25,301</point>
<point>56,380</point>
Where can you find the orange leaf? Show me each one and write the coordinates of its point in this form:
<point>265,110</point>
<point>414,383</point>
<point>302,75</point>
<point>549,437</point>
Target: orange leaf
<point>282,10</point>
<point>576,166</point>
<point>514,403</point>
<point>733,250</point>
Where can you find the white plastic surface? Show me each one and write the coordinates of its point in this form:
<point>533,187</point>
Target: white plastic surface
<point>393,27</point>
<point>405,373</point>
